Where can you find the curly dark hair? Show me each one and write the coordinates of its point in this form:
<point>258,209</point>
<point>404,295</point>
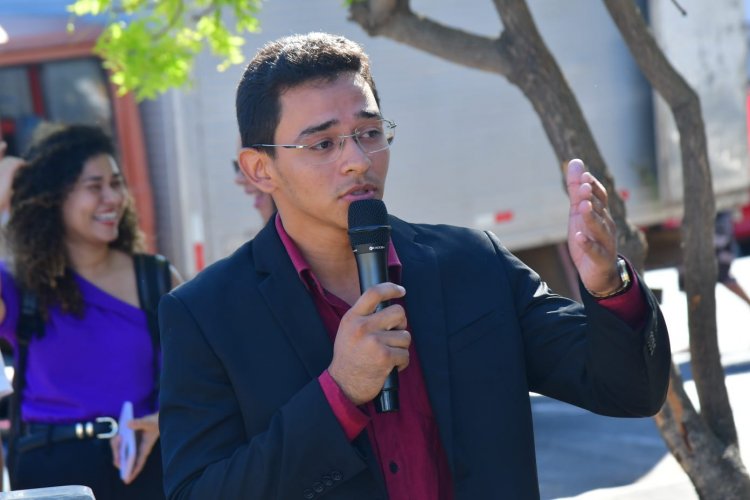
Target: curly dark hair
<point>36,231</point>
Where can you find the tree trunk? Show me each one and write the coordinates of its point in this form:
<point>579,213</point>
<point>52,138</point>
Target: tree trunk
<point>709,453</point>
<point>716,470</point>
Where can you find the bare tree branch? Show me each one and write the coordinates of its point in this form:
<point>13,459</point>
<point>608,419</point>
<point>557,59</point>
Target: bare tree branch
<point>171,23</point>
<point>395,20</point>
<point>679,7</point>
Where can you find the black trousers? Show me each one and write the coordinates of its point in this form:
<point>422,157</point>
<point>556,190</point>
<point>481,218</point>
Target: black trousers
<point>87,463</point>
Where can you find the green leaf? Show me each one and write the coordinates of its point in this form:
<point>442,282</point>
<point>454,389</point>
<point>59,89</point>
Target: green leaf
<point>154,48</point>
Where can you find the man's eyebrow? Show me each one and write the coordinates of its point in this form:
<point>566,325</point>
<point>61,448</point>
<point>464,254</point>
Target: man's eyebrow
<point>330,123</point>
<point>369,114</point>
<point>317,128</point>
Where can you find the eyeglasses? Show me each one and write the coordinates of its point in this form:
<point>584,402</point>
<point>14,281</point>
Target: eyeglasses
<point>236,166</point>
<point>324,148</point>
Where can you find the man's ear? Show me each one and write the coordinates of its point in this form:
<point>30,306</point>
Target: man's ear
<point>255,165</point>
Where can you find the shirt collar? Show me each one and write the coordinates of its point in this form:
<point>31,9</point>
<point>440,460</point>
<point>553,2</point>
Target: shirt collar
<point>303,268</point>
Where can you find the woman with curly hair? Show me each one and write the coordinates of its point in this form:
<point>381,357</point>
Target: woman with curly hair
<point>72,282</point>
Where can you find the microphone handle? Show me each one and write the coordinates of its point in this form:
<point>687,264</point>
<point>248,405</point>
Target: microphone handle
<point>372,266</point>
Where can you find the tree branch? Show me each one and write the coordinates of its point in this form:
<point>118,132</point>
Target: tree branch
<point>395,20</point>
<point>716,470</point>
<point>171,23</point>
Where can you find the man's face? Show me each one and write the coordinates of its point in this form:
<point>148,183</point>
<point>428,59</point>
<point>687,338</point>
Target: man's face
<point>314,197</point>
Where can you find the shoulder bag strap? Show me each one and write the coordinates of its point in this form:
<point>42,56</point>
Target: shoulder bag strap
<point>30,323</point>
<point>154,280</point>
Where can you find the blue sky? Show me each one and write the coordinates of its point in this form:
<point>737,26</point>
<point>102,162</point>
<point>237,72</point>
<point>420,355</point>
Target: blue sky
<point>33,7</point>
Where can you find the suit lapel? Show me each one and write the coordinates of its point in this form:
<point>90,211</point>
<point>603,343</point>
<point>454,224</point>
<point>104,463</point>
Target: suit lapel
<point>290,303</point>
<point>424,309</point>
<point>294,310</point>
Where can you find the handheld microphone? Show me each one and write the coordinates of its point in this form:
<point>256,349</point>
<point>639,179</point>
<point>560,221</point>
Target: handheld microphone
<point>369,234</point>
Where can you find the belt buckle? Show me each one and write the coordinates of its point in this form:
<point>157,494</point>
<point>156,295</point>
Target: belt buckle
<point>113,427</point>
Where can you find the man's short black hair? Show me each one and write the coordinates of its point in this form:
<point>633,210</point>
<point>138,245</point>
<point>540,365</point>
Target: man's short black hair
<point>286,63</point>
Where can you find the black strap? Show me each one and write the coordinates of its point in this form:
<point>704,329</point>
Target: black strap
<point>30,324</point>
<point>154,279</point>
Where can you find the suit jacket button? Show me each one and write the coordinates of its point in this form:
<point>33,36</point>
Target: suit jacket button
<point>336,475</point>
<point>318,487</point>
<point>308,494</point>
<point>327,481</point>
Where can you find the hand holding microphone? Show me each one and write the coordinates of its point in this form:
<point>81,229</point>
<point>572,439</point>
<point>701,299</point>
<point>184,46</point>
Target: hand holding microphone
<point>372,344</point>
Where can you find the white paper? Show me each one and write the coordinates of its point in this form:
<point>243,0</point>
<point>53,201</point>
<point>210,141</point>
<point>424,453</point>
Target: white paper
<point>5,382</point>
<point>127,441</point>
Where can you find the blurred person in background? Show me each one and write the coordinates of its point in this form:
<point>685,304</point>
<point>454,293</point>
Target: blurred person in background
<point>726,249</point>
<point>72,307</point>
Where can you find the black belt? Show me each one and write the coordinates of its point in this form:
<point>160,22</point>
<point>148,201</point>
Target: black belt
<point>39,435</point>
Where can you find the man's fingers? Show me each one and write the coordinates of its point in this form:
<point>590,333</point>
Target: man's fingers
<point>582,185</point>
<point>392,317</point>
<point>399,356</point>
<point>597,226</point>
<point>574,171</point>
<point>369,300</point>
<point>598,190</point>
<point>395,338</point>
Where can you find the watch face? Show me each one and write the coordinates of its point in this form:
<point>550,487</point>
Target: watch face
<point>622,267</point>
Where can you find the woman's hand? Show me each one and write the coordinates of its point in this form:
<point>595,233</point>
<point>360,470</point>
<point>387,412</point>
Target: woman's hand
<point>146,434</point>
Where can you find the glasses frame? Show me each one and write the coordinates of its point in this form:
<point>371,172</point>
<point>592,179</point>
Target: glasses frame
<point>342,138</point>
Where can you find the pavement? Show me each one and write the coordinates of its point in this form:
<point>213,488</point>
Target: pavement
<point>584,456</point>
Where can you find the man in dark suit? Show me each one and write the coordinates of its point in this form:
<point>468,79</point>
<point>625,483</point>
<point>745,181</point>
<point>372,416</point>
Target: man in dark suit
<point>272,357</point>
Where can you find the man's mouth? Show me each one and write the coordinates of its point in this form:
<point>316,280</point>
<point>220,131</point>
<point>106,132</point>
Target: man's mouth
<point>362,191</point>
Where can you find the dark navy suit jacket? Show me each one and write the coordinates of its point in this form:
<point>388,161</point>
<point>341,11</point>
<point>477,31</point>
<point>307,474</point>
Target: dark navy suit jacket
<point>243,415</point>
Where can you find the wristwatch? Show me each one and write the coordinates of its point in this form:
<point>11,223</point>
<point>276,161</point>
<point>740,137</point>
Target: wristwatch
<point>622,270</point>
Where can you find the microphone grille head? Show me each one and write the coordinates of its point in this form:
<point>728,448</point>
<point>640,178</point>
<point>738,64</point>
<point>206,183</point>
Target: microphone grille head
<point>367,213</point>
<point>368,223</point>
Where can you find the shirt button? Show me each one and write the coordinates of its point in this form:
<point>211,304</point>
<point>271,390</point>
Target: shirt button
<point>309,494</point>
<point>318,487</point>
<point>336,475</point>
<point>393,466</point>
<point>327,481</point>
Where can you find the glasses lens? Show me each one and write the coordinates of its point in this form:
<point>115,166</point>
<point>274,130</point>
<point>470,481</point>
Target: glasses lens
<point>376,137</point>
<point>236,166</point>
<point>371,138</point>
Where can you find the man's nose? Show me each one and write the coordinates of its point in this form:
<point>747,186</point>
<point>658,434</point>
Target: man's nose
<point>353,154</point>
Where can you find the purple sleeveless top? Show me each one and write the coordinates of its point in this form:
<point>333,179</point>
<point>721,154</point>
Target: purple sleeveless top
<point>84,368</point>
